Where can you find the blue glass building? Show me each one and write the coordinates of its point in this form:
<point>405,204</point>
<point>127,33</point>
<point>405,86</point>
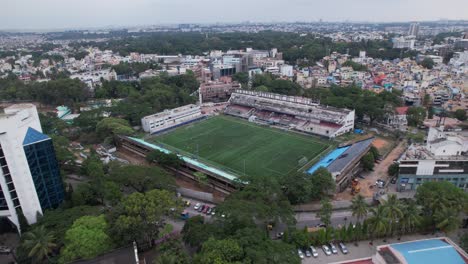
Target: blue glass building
<point>45,172</point>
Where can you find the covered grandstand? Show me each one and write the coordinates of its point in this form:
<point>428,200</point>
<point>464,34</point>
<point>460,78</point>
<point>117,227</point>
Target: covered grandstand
<point>298,113</point>
<point>343,162</point>
<point>220,180</point>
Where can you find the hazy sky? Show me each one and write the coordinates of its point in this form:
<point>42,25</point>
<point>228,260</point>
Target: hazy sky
<point>56,14</point>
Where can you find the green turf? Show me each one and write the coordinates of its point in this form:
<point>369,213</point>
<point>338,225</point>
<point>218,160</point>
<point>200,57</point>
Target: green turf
<point>230,142</point>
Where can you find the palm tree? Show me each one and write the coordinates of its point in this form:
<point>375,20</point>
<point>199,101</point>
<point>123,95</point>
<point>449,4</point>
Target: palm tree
<point>378,222</point>
<point>393,210</point>
<point>39,244</point>
<point>359,207</point>
<point>411,217</point>
<point>447,219</point>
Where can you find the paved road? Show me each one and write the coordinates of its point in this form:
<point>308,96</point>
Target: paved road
<point>339,218</point>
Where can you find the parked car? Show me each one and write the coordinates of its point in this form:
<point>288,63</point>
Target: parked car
<point>197,206</point>
<point>201,208</point>
<point>213,211</point>
<point>299,252</point>
<point>326,250</point>
<point>333,248</point>
<point>279,235</point>
<point>184,215</point>
<point>308,254</point>
<point>393,181</point>
<point>207,208</point>
<point>380,183</point>
<point>187,203</point>
<point>314,251</point>
<point>4,250</point>
<point>343,248</point>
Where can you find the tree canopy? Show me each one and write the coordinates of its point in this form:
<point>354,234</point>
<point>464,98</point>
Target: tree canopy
<point>87,238</point>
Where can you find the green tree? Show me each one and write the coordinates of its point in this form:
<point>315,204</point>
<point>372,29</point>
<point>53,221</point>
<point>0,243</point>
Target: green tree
<point>297,187</point>
<point>378,222</point>
<point>111,126</point>
<point>143,178</point>
<point>447,219</point>
<point>426,100</point>
<point>464,241</point>
<point>223,251</point>
<point>195,231</point>
<point>411,218</point>
<point>393,169</point>
<point>141,215</point>
<point>367,161</point>
<point>86,239</point>
<point>242,78</point>
<point>359,207</point>
<point>460,114</point>
<point>261,201</point>
<point>322,183</point>
<point>427,63</point>
<point>169,160</point>
<point>442,202</point>
<point>393,211</point>
<point>172,252</point>
<point>416,116</point>
<point>325,212</point>
<point>39,244</point>
<point>430,112</point>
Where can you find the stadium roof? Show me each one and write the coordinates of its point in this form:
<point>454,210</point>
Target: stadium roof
<point>340,158</point>
<point>188,160</point>
<point>351,153</point>
<point>432,251</point>
<point>33,136</point>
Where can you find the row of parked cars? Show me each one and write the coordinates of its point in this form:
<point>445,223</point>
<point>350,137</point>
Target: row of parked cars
<point>328,249</point>
<point>205,209</point>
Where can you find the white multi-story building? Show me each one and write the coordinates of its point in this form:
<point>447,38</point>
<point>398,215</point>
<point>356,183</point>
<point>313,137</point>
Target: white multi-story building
<point>286,70</point>
<point>30,179</point>
<point>171,118</point>
<point>403,43</point>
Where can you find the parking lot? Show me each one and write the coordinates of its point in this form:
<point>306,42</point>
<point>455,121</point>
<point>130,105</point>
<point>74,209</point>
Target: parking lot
<point>362,251</point>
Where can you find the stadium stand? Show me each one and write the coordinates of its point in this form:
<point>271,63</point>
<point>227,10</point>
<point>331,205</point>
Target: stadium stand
<point>298,113</point>
<point>169,119</point>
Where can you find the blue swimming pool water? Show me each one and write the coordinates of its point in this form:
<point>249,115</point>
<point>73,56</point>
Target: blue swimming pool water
<point>434,251</point>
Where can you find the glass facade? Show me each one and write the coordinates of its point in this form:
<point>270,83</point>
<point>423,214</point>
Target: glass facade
<point>45,173</point>
<point>9,181</point>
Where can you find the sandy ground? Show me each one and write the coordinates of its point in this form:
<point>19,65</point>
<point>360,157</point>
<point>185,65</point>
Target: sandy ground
<point>380,171</point>
<point>379,143</point>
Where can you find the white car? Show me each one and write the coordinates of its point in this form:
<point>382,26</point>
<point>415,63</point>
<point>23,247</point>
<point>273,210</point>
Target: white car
<point>300,253</point>
<point>326,250</point>
<point>343,248</point>
<point>333,248</point>
<point>314,251</point>
<point>197,206</point>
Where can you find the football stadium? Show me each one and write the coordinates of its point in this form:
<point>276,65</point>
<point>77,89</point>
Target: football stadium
<point>242,147</point>
<point>256,134</point>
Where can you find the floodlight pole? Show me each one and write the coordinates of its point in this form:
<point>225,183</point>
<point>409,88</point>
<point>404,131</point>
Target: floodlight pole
<point>244,167</point>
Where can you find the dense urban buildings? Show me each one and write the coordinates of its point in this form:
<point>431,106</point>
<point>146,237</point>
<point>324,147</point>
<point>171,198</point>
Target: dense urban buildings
<point>30,177</point>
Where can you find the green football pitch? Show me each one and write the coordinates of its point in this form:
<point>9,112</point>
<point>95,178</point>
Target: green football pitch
<point>242,147</point>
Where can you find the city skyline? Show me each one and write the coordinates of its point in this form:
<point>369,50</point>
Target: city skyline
<point>54,14</point>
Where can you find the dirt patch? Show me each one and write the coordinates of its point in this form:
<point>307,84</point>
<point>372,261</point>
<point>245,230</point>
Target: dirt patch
<point>379,143</point>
